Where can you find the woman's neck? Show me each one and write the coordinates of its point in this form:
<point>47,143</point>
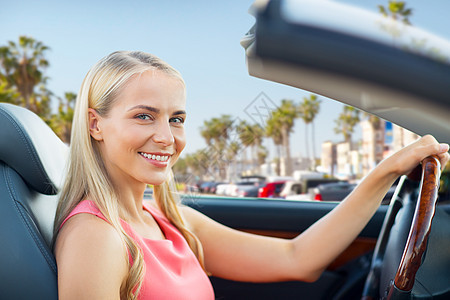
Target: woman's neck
<point>130,203</point>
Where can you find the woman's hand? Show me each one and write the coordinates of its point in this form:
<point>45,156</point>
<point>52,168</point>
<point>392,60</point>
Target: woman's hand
<point>406,160</point>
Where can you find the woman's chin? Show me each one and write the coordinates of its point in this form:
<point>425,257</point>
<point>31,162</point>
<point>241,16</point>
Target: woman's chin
<point>157,181</point>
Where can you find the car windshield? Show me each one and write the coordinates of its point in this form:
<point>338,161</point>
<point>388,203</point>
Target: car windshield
<point>332,172</point>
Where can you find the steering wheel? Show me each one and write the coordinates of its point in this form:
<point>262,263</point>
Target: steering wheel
<point>415,242</point>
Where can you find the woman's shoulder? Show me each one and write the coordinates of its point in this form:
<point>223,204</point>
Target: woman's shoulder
<point>87,248</point>
<point>87,231</point>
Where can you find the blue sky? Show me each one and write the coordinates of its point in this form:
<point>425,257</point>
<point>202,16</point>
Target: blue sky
<point>199,38</point>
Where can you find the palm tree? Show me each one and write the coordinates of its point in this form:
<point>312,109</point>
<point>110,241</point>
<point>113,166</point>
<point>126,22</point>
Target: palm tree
<point>217,130</point>
<point>61,122</point>
<point>243,130</point>
<point>251,136</point>
<point>258,148</point>
<point>231,153</point>
<point>7,94</point>
<point>216,133</point>
<point>261,156</point>
<point>374,121</point>
<point>346,123</point>
<point>273,131</point>
<point>376,124</point>
<point>22,65</point>
<point>180,167</point>
<point>282,119</point>
<point>193,165</point>
<point>308,110</point>
<point>396,10</point>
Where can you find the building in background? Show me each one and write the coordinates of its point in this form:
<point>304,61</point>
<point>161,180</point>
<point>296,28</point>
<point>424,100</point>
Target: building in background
<point>328,158</point>
<point>348,161</point>
<point>402,137</point>
<point>379,140</point>
<point>373,143</point>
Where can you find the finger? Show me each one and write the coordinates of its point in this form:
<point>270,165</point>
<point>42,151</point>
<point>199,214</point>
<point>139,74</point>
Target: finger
<point>443,147</point>
<point>443,158</point>
<point>432,147</point>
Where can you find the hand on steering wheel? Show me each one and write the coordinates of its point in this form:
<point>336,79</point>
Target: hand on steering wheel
<point>417,238</point>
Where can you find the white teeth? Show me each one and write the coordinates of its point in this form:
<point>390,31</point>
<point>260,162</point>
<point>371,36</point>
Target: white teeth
<point>155,157</point>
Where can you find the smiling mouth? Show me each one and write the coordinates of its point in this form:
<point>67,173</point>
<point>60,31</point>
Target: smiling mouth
<point>161,158</point>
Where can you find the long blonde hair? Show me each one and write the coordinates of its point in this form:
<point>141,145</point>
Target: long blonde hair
<point>87,175</point>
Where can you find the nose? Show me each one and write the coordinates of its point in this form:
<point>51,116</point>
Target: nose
<point>163,134</point>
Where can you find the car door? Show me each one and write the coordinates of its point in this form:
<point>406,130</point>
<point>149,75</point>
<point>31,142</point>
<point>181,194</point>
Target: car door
<point>343,279</point>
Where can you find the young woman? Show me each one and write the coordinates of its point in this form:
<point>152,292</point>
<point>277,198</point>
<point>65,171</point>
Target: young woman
<point>127,133</point>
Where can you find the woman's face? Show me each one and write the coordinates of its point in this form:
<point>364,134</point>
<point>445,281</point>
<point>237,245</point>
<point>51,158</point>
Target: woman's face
<point>143,134</point>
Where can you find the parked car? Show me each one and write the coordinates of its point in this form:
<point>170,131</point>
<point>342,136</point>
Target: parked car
<point>303,187</point>
<point>332,191</point>
<point>271,189</point>
<point>213,187</point>
<point>304,44</point>
<point>205,186</point>
<point>222,188</point>
<point>251,190</point>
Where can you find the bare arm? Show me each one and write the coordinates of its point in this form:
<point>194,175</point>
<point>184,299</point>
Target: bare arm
<point>91,259</point>
<point>239,256</point>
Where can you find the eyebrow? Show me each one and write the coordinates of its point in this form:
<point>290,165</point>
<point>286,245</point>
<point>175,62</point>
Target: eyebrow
<point>179,112</point>
<point>155,110</point>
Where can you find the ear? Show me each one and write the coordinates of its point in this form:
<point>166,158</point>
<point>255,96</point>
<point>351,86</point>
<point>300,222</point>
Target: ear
<point>94,128</point>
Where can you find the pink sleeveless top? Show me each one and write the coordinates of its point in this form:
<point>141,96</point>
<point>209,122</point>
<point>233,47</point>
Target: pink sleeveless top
<point>172,270</point>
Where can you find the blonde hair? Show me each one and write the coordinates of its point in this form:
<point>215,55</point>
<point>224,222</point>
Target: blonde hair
<point>87,175</point>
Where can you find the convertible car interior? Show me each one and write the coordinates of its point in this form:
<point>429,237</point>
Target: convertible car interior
<point>403,252</point>
<point>32,165</point>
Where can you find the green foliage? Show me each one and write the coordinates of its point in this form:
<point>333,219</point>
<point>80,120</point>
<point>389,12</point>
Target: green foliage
<point>61,122</point>
<point>280,126</point>
<point>285,115</point>
<point>22,66</point>
<point>216,131</point>
<point>22,82</point>
<point>261,154</point>
<point>346,122</point>
<point>250,135</point>
<point>396,10</point>
<point>8,94</point>
<point>273,130</point>
<point>374,121</point>
<point>232,150</point>
<point>180,167</point>
<point>309,108</point>
<point>192,161</point>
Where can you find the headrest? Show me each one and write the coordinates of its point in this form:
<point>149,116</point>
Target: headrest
<point>32,149</point>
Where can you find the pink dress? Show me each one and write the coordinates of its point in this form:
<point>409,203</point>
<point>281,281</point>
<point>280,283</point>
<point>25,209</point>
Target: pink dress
<point>172,270</point>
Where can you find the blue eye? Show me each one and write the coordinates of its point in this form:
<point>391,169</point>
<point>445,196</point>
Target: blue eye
<point>143,117</point>
<point>177,120</point>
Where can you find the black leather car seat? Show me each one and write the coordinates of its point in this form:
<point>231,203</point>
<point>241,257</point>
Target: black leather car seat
<point>32,161</point>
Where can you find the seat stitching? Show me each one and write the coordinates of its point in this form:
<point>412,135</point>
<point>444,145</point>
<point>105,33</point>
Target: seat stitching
<point>39,244</point>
